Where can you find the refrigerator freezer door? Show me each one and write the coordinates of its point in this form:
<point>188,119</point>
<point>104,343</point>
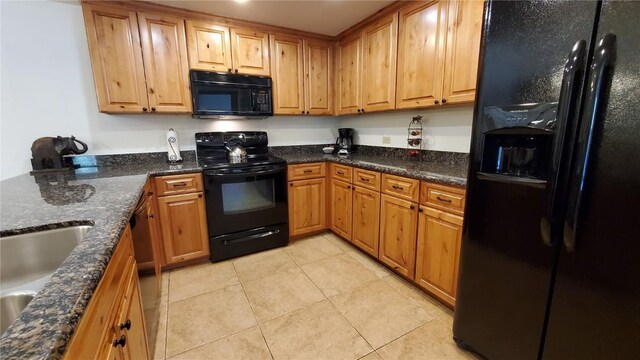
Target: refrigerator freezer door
<point>595,310</point>
<point>505,267</point>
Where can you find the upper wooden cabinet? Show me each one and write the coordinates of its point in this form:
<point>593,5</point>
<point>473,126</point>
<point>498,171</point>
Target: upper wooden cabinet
<point>379,56</point>
<point>318,77</point>
<point>119,40</point>
<point>288,75</point>
<point>349,99</point>
<point>438,50</point>
<point>464,26</point>
<point>420,54</point>
<point>164,49</point>
<point>250,50</point>
<point>209,46</point>
<point>116,58</point>
<point>215,47</point>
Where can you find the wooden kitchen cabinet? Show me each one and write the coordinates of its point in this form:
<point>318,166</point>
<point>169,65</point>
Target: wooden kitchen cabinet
<point>164,50</point>
<point>398,227</point>
<point>379,56</point>
<point>341,208</point>
<point>438,253</point>
<point>183,220</point>
<point>307,206</point>
<point>318,77</point>
<point>366,220</point>
<point>116,58</point>
<point>215,47</point>
<point>115,301</point>
<point>349,52</point>
<point>288,75</point>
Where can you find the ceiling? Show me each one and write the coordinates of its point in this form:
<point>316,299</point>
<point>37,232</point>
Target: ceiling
<point>329,17</point>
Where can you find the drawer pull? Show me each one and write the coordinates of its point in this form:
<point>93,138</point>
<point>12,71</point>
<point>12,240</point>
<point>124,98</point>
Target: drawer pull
<point>307,171</point>
<point>180,184</point>
<point>397,187</point>
<point>412,207</point>
<point>340,172</point>
<point>443,200</point>
<point>364,179</point>
<point>126,325</point>
<point>122,341</point>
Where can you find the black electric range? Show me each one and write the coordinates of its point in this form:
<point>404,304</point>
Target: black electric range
<point>246,201</point>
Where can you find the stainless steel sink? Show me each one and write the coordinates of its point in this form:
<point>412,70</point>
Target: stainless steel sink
<point>27,261</point>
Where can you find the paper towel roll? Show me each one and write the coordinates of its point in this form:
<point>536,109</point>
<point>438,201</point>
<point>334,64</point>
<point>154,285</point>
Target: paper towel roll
<point>173,146</point>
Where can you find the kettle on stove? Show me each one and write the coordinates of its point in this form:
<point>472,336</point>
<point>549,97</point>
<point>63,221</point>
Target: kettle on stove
<point>236,154</point>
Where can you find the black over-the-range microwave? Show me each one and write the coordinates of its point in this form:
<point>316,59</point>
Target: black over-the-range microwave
<point>230,96</point>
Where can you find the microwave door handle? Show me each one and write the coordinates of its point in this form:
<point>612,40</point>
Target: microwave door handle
<point>551,222</point>
<point>598,83</point>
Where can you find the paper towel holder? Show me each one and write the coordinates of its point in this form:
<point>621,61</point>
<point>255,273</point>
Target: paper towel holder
<point>173,147</point>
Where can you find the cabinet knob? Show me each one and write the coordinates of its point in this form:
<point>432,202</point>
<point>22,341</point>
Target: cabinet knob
<point>359,110</point>
<point>153,109</point>
<point>290,184</point>
<point>122,341</point>
<point>207,45</point>
<point>150,193</point>
<point>236,71</point>
<point>144,109</point>
<point>444,101</point>
<point>412,207</point>
<point>307,112</point>
<point>127,324</point>
<point>199,195</point>
<point>436,101</point>
<point>230,69</point>
<point>150,217</point>
<point>348,186</point>
<point>420,210</point>
<point>362,109</point>
<point>303,111</point>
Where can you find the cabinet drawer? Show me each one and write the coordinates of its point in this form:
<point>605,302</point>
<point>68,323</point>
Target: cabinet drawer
<point>367,179</point>
<point>341,172</point>
<point>400,187</point>
<point>178,184</point>
<point>443,197</point>
<point>306,171</point>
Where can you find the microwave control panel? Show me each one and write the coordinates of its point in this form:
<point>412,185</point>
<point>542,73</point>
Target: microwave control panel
<point>261,100</point>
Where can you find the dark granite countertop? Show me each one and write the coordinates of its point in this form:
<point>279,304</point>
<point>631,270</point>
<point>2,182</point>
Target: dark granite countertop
<point>102,196</point>
<point>443,171</point>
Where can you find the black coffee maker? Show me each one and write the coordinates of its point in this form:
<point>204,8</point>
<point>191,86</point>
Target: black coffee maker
<point>344,142</point>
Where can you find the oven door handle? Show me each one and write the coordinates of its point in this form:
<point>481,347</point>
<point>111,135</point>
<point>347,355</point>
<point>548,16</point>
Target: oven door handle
<point>248,173</point>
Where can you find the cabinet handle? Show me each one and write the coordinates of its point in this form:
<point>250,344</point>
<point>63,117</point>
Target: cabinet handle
<point>150,193</point>
<point>290,184</point>
<point>307,171</point>
<point>236,71</point>
<point>126,324</point>
<point>348,186</point>
<point>151,216</point>
<point>444,101</point>
<point>397,187</point>
<point>443,200</point>
<point>436,101</point>
<point>144,109</point>
<point>362,110</point>
<point>359,110</point>
<point>412,207</point>
<point>153,109</point>
<point>230,69</point>
<point>307,112</point>
<point>340,172</point>
<point>200,195</point>
<point>302,111</point>
<point>122,341</point>
<point>364,179</point>
<point>421,210</point>
<point>207,45</point>
<point>180,184</point>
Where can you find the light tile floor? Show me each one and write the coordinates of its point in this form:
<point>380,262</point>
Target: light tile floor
<point>318,298</point>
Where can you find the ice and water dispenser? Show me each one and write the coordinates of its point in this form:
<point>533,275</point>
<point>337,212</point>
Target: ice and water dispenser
<point>518,143</point>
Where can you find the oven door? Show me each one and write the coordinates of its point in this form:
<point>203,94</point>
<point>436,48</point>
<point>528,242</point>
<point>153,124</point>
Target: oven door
<point>245,198</point>
<point>230,99</point>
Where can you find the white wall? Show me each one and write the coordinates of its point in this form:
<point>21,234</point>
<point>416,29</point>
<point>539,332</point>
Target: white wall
<point>446,129</point>
<point>47,89</point>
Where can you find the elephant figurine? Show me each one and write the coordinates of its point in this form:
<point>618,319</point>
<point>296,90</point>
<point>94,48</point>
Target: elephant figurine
<point>47,152</point>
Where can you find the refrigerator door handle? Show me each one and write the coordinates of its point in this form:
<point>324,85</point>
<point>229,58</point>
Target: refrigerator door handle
<point>551,223</point>
<point>598,82</point>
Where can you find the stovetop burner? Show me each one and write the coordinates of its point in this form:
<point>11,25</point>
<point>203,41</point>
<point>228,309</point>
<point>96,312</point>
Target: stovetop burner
<point>211,149</point>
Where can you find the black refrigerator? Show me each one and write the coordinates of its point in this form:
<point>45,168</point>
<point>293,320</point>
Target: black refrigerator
<point>550,258</point>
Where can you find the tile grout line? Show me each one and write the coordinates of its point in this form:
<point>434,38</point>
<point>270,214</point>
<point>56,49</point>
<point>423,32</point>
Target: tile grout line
<point>166,320</point>
<point>354,328</point>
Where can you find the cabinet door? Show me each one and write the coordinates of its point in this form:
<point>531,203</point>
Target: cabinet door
<point>379,57</point>
<point>341,205</point>
<point>307,206</point>
<point>250,50</point>
<point>164,47</point>
<point>439,236</point>
<point>136,346</point>
<point>350,75</point>
<point>184,227</point>
<point>421,54</point>
<point>464,26</point>
<point>366,220</point>
<point>209,46</point>
<point>116,58</point>
<point>288,75</point>
<point>398,227</point>
<point>318,77</point>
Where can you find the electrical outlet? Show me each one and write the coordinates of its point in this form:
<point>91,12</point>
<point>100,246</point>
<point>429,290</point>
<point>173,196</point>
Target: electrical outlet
<point>386,139</point>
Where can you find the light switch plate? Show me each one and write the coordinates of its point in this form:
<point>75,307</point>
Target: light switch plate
<point>386,139</point>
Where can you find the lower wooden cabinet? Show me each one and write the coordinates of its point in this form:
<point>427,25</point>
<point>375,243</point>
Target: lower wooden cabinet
<point>398,226</point>
<point>183,220</point>
<point>307,199</point>
<point>341,202</point>
<point>438,253</point>
<point>366,220</point>
<point>113,326</point>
